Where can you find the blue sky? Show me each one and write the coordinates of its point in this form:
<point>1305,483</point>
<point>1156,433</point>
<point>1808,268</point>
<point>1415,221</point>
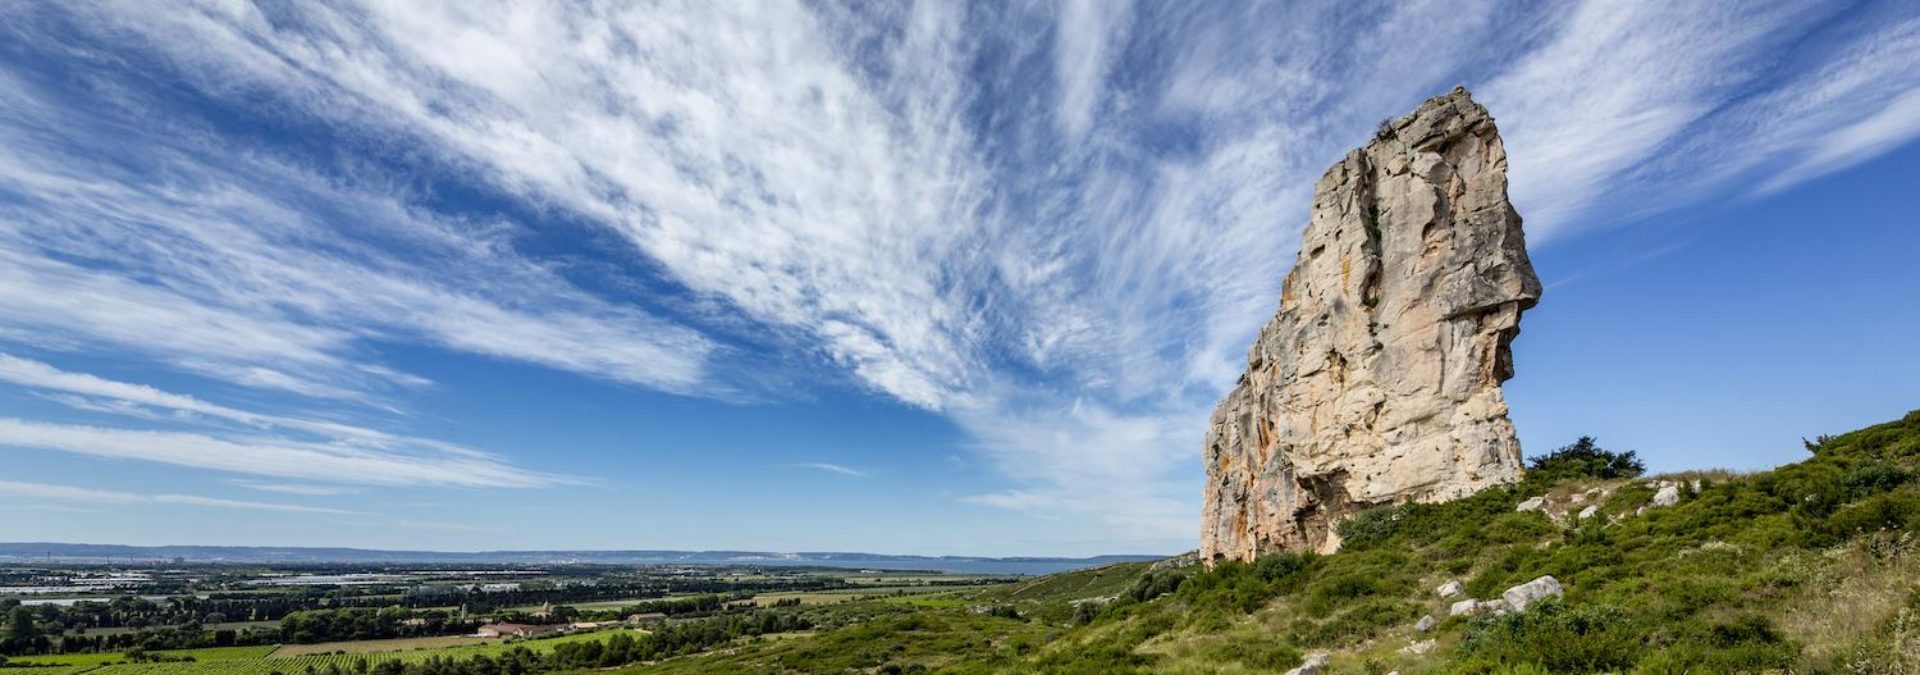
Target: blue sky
<point>922,278</point>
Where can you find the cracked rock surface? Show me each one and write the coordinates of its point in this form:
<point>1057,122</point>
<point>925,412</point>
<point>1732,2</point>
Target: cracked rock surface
<point>1378,381</point>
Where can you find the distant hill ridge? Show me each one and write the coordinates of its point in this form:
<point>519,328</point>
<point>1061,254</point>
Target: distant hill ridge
<point>28,551</point>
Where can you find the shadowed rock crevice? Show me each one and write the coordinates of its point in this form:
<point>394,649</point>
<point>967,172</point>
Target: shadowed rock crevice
<point>1378,381</point>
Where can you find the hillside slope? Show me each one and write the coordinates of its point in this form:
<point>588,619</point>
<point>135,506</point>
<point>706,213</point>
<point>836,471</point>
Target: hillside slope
<point>1811,567</point>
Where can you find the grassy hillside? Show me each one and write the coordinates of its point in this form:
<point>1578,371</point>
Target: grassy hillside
<point>1812,567</point>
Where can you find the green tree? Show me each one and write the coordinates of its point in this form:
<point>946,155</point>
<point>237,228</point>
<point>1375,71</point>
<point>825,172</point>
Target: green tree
<point>22,635</point>
<point>1584,458</point>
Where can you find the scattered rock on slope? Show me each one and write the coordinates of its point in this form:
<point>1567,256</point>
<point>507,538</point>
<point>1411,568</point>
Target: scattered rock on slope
<point>1378,381</point>
<point>1520,597</point>
<point>1472,607</point>
<point>1515,599</point>
<point>1315,665</point>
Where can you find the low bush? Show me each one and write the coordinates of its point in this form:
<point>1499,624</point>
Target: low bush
<point>1243,587</point>
<point>1368,528</point>
<point>1584,459</point>
<point>1364,620</point>
<point>1259,655</point>
<point>1890,511</point>
<point>1327,594</point>
<point>1559,637</point>
<point>1875,477</point>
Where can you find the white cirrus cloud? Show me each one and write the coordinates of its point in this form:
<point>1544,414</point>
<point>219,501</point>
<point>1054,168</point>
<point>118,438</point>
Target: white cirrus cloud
<point>830,467</point>
<point>44,492</point>
<point>98,394</point>
<point>303,489</point>
<point>1085,34</point>
<point>274,457</point>
<point>261,272</point>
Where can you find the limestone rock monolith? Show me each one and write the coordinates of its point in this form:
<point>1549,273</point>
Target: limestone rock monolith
<point>1378,381</point>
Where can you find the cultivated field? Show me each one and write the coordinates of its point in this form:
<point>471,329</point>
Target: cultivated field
<point>849,595</point>
<point>297,659</point>
<point>392,645</point>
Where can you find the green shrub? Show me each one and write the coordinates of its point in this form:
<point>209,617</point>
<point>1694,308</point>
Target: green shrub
<point>1327,594</point>
<point>1874,478</point>
<point>1259,655</point>
<point>1514,528</point>
<point>1095,660</point>
<point>1154,584</point>
<point>1284,570</point>
<point>1558,637</point>
<point>1749,628</point>
<point>1747,643</point>
<point>1231,584</point>
<point>1890,511</point>
<point>1893,441</point>
<point>1085,612</point>
<point>1584,459</point>
<point>1368,528</point>
<point>1365,620</point>
<point>1245,588</point>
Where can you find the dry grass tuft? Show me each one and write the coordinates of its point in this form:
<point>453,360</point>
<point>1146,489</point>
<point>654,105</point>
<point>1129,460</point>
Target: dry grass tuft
<point>1860,613</point>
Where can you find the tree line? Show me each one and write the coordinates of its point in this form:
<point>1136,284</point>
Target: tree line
<point>678,639</point>
<point>27,633</point>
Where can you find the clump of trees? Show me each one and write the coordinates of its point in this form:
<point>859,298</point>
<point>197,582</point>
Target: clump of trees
<point>692,606</point>
<point>356,623</point>
<point>1584,458</point>
<point>22,635</point>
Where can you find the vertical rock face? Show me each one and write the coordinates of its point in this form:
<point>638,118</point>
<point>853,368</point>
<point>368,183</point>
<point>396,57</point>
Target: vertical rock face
<point>1379,380</point>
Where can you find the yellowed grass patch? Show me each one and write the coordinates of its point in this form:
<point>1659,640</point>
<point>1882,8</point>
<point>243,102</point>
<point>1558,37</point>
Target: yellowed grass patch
<point>1856,613</point>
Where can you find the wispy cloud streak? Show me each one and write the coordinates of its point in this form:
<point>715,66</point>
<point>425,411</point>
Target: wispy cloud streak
<point>365,448</point>
<point>266,456</point>
<point>42,492</point>
<point>831,468</point>
<point>264,273</point>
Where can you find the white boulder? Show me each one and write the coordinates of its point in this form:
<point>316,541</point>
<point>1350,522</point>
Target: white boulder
<point>1534,504</point>
<point>1667,496</point>
<point>1471,607</point>
<point>1315,665</point>
<point>1449,589</point>
<point>1426,623</point>
<point>1520,597</point>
